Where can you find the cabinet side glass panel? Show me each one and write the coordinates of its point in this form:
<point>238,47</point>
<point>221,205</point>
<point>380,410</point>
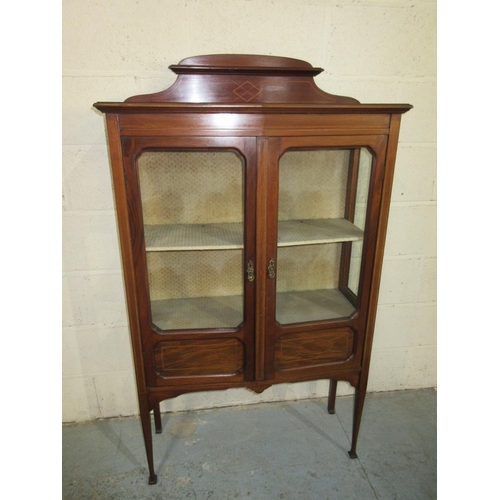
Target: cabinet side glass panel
<point>317,233</point>
<point>362,187</point>
<point>192,203</point>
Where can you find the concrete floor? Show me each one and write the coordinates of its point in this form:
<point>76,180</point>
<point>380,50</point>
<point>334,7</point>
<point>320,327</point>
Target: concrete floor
<point>289,450</point>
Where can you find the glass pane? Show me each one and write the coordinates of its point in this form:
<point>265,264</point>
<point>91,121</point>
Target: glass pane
<point>307,287</point>
<point>192,206</point>
<point>318,223</point>
<point>362,189</point>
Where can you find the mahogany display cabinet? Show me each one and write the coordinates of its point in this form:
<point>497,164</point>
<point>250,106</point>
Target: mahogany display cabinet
<point>252,210</point>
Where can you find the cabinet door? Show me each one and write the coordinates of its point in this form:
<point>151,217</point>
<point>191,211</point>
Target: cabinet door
<point>192,205</point>
<point>323,226</point>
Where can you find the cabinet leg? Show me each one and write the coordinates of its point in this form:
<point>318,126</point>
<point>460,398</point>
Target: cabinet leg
<point>157,416</point>
<point>359,401</point>
<point>332,394</point>
<point>148,436</point>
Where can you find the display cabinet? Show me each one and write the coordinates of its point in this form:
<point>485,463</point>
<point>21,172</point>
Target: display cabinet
<point>252,210</point>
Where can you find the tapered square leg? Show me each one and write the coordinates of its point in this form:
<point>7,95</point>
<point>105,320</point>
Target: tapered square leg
<point>332,394</point>
<point>157,417</point>
<point>148,436</point>
<point>359,401</point>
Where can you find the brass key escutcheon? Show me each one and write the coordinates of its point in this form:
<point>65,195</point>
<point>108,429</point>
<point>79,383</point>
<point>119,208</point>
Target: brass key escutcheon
<point>250,271</point>
<point>270,269</point>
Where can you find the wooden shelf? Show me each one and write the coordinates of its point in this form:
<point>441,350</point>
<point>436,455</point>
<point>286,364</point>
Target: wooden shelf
<point>311,305</point>
<point>163,237</point>
<point>227,311</point>
<point>229,236</point>
<point>198,312</point>
<point>315,231</point>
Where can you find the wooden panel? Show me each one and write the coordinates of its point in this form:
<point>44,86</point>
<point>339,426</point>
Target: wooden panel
<point>243,78</point>
<point>188,358</point>
<point>231,123</point>
<point>301,350</point>
<point>236,61</point>
<point>244,88</point>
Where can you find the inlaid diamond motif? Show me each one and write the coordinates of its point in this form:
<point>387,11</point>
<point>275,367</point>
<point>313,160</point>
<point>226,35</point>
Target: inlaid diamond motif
<point>247,91</point>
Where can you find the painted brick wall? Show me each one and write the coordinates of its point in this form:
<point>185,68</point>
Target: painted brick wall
<point>375,50</point>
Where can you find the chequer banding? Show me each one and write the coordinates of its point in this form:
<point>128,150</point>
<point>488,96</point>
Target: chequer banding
<point>247,91</point>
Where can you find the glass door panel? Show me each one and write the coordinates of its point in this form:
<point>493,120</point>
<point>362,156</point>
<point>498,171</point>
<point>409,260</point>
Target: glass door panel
<point>193,206</point>
<point>320,233</point>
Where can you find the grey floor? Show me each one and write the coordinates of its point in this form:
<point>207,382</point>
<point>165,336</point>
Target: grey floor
<point>290,450</point>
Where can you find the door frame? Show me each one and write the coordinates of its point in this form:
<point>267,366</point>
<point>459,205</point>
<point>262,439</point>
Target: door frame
<point>132,148</point>
<point>273,151</point>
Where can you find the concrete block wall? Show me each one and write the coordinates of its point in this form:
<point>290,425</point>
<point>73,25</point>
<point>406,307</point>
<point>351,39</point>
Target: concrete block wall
<point>375,50</point>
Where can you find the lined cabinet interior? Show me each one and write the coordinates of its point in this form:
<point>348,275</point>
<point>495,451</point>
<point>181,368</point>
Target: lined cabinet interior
<point>193,218</point>
<point>322,195</point>
<point>193,215</point>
